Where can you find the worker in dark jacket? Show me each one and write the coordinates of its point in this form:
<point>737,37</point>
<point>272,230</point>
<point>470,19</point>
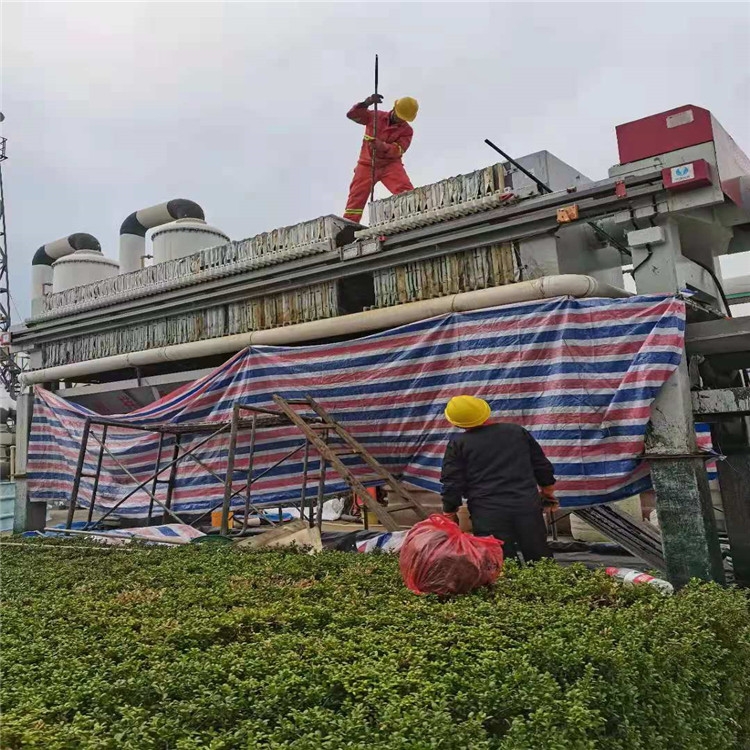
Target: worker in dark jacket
<point>388,141</point>
<point>501,471</point>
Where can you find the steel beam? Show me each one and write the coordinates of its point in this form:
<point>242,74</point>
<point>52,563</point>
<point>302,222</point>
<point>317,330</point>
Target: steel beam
<point>728,337</point>
<point>722,402</point>
<point>683,497</point>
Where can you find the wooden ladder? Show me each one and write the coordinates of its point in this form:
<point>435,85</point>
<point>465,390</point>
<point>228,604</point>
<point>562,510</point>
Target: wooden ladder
<point>316,433</point>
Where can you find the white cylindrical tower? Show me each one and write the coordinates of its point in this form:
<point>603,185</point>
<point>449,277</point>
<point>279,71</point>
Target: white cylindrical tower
<point>184,237</point>
<point>82,267</point>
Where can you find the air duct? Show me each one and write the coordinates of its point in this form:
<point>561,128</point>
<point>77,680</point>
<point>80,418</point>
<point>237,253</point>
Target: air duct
<point>46,255</point>
<point>134,228</point>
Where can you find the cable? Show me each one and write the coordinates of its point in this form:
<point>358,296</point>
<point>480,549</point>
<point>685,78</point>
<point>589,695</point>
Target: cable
<point>714,278</point>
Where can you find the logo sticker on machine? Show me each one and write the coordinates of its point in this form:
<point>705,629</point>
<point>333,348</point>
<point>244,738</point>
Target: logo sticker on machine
<point>681,118</point>
<point>683,173</point>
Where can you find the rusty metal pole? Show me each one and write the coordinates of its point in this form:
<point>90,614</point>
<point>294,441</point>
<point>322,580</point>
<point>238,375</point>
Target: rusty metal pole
<point>79,472</point>
<point>230,471</point>
<point>97,476</point>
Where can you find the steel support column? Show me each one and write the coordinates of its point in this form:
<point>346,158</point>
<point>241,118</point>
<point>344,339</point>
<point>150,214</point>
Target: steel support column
<point>731,438</point>
<point>683,498</point>
<point>28,516</point>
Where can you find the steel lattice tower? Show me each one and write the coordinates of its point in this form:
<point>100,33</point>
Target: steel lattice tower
<point>8,367</point>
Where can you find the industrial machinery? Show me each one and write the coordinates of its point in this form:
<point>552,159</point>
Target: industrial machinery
<point>677,200</point>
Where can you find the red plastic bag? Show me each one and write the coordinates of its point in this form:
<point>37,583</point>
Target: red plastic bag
<point>438,558</point>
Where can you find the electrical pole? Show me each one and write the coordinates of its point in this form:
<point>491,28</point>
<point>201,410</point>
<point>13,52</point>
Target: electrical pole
<point>9,369</point>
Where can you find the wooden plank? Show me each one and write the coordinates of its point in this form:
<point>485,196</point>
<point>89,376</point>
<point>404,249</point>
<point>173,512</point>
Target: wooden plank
<point>268,538</point>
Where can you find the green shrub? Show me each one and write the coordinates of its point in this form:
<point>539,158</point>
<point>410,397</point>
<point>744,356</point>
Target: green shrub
<point>200,647</point>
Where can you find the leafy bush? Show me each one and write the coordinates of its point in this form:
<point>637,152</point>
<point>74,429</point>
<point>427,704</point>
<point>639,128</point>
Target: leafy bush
<point>213,648</point>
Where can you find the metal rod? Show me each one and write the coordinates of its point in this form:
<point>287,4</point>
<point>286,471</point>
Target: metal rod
<point>278,463</point>
<point>601,233</point>
<point>250,462</point>
<point>544,188</point>
<point>114,535</point>
<point>253,480</point>
<point>321,493</point>
<point>374,135</point>
<point>79,470</point>
<point>303,498</point>
<point>156,476</point>
<point>189,454</point>
<point>97,475</point>
<point>142,485</point>
<point>173,471</point>
<point>230,471</point>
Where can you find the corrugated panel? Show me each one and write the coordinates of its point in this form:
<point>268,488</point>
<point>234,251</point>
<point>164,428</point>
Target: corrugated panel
<point>287,308</point>
<point>454,191</point>
<point>448,274</point>
<point>278,246</point>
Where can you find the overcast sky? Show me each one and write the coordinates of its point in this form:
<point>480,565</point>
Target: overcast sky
<point>111,107</point>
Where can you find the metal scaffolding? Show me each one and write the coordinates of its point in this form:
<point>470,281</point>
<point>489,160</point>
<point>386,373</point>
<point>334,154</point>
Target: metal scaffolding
<point>319,431</point>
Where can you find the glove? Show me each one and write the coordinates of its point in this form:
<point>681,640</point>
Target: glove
<point>374,99</point>
<point>549,500</point>
<point>383,148</point>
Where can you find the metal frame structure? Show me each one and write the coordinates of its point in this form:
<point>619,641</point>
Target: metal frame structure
<point>163,430</point>
<point>317,430</point>
<point>9,369</point>
<point>180,452</point>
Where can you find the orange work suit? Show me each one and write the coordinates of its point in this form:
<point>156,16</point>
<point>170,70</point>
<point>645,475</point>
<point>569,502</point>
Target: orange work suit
<point>393,138</point>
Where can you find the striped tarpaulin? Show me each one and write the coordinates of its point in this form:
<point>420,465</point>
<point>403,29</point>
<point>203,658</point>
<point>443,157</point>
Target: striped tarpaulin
<point>580,374</point>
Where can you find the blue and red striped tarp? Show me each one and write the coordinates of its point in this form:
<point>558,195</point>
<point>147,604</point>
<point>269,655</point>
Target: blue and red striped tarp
<point>580,374</point>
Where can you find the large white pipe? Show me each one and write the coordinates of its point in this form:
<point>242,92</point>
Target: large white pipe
<point>134,228</point>
<point>568,285</point>
<point>46,255</point>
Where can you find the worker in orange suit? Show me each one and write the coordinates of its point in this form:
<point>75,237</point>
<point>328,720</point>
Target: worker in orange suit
<point>389,141</point>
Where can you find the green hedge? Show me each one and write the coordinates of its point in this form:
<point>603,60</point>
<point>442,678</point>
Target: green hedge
<point>212,648</point>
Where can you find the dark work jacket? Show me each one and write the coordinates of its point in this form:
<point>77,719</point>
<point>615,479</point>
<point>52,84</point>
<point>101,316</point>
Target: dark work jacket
<point>495,466</point>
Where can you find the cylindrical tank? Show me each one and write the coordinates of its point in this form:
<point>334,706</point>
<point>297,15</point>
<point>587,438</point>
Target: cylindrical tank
<point>82,267</point>
<point>184,237</point>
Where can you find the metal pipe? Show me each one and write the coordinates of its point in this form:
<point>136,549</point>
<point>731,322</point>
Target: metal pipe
<point>155,485</point>
<point>250,463</point>
<point>98,474</point>
<point>374,136</point>
<point>229,482</point>
<point>79,471</point>
<point>544,188</point>
<point>548,287</point>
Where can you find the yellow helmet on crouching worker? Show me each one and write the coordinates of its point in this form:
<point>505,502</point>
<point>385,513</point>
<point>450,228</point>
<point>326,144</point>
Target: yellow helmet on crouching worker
<point>406,108</point>
<point>467,411</point>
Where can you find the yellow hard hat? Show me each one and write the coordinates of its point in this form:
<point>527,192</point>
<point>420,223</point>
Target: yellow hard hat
<point>467,411</point>
<point>406,108</point>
